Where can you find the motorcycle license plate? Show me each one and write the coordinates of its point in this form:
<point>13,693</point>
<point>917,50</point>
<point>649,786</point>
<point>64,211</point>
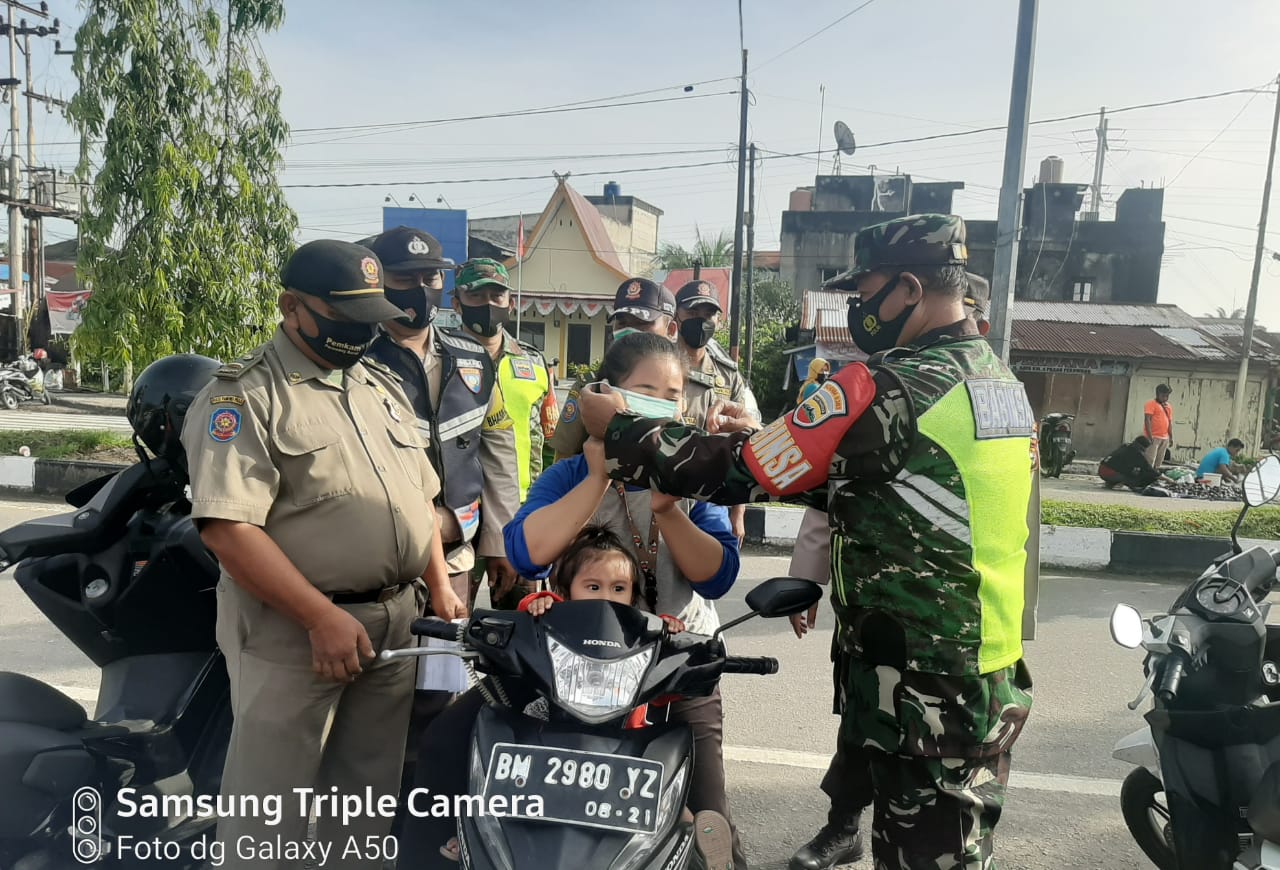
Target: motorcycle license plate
<point>588,789</point>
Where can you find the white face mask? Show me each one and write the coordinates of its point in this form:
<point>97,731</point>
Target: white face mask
<point>648,406</point>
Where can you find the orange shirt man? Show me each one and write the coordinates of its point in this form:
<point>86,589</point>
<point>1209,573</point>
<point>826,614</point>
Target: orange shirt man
<point>1158,426</point>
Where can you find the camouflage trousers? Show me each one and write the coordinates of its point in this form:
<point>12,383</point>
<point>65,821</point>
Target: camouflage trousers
<point>931,754</point>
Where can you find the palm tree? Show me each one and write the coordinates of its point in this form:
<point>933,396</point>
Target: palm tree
<point>709,252</point>
<point>1223,314</point>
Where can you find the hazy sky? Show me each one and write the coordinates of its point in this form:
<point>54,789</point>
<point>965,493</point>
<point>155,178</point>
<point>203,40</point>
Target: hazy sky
<point>897,69</point>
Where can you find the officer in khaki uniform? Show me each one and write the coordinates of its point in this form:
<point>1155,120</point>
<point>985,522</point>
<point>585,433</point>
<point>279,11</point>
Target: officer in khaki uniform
<point>310,483</point>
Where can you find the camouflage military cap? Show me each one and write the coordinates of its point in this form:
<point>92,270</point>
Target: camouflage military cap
<point>474,274</point>
<point>914,240</point>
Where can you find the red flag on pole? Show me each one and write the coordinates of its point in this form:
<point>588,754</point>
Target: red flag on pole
<point>520,240</point>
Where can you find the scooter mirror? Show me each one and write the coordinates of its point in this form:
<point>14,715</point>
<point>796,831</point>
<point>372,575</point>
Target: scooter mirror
<point>783,596</point>
<point>1263,483</point>
<point>1126,626</point>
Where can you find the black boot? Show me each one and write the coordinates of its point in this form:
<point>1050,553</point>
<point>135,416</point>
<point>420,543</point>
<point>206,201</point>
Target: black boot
<point>837,843</point>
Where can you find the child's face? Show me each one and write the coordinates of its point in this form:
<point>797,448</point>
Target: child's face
<point>606,577</point>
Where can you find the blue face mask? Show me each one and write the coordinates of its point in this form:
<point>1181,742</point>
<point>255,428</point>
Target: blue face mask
<point>648,406</point>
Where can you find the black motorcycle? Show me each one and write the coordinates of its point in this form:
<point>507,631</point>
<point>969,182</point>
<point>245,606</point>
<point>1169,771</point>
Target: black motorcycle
<point>1055,443</point>
<point>1205,794</point>
<point>126,578</point>
<point>576,787</point>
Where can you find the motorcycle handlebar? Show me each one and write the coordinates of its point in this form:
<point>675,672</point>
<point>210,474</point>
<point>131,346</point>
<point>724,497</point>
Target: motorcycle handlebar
<point>1170,679</point>
<point>761,665</point>
<point>431,626</point>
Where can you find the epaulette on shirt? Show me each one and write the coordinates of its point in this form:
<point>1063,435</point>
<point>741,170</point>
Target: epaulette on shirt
<point>458,340</point>
<point>720,357</point>
<point>233,371</point>
<point>382,369</point>
<point>530,349</point>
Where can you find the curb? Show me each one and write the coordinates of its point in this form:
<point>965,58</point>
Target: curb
<point>49,476</point>
<point>1060,546</point>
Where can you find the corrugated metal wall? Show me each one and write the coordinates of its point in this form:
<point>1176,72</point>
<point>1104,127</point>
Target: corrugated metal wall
<point>1201,409</point>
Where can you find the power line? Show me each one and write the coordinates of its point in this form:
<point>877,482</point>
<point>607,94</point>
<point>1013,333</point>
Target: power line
<point>815,35</point>
<point>1207,145</point>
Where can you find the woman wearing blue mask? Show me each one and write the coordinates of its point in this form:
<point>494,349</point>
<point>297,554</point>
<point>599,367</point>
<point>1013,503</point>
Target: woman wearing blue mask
<point>687,551</point>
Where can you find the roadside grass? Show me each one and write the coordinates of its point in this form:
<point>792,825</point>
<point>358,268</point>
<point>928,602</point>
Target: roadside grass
<point>1260,523</point>
<point>72,444</point>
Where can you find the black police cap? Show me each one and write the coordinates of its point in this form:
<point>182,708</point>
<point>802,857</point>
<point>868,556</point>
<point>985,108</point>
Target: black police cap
<point>405,249</point>
<point>644,299</point>
<point>347,276</point>
<point>697,293</point>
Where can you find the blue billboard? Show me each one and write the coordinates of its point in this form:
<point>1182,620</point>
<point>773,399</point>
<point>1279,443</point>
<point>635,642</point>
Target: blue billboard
<point>448,225</point>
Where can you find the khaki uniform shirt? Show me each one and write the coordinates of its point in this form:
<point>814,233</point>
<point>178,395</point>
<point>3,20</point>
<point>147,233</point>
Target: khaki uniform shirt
<point>329,463</point>
<point>500,497</point>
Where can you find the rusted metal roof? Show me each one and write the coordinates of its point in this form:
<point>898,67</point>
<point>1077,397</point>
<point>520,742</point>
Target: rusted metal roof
<point>1103,314</point>
<point>1082,339</point>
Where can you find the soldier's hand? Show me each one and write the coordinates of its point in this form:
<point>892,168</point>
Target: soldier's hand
<point>801,623</point>
<point>593,451</point>
<point>338,645</point>
<point>599,408</point>
<point>502,577</point>
<point>447,605</point>
<point>729,417</point>
<point>661,503</point>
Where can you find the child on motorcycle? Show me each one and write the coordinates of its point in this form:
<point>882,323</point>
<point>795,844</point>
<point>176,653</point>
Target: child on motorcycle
<point>597,566</point>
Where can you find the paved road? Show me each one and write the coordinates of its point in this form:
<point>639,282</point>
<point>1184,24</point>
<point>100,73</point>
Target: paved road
<point>1062,809</point>
<point>55,421</point>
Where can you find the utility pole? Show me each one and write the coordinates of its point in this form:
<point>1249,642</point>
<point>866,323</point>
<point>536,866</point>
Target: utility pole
<point>1099,158</point>
<point>15,210</point>
<point>749,338</point>
<point>735,290</point>
<point>1009,217</point>
<point>1242,379</point>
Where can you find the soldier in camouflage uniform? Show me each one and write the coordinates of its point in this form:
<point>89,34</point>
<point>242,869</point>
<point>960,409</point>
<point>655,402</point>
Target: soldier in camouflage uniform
<point>920,458</point>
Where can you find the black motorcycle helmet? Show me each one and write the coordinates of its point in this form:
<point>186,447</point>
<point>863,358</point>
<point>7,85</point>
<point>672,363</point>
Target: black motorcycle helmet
<point>160,399</point>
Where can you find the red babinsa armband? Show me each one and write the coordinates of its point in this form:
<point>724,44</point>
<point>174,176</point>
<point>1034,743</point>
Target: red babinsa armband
<point>793,453</point>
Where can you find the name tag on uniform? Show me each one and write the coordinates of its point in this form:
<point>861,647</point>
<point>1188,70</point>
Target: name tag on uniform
<point>523,369</point>
<point>1000,409</point>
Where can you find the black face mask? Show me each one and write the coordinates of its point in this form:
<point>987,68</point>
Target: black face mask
<point>340,343</point>
<point>822,377</point>
<point>697,331</point>
<point>870,333</point>
<point>486,320</point>
<point>423,301</point>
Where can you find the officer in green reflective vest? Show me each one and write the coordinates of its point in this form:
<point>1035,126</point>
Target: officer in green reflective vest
<point>920,458</point>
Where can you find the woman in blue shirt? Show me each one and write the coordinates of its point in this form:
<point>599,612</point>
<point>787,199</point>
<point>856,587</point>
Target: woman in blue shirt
<point>687,551</point>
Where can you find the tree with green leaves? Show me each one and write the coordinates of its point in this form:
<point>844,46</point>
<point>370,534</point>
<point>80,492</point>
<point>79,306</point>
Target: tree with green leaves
<point>186,226</point>
<point>708,252</point>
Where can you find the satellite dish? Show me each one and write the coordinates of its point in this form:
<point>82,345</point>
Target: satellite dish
<point>844,139</point>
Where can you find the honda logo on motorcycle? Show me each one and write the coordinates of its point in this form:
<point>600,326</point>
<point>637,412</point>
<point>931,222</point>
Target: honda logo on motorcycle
<point>595,642</point>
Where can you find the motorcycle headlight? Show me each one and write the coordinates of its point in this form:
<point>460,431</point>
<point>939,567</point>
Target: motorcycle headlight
<point>596,690</point>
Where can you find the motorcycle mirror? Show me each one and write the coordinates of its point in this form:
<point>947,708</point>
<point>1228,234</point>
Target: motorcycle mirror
<point>1262,484</point>
<point>1126,626</point>
<point>783,596</point>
